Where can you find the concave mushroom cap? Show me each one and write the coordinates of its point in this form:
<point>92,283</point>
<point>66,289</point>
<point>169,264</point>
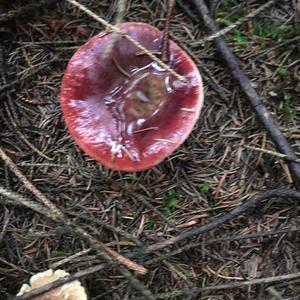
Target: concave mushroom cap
<point>69,291</point>
<point>125,111</point>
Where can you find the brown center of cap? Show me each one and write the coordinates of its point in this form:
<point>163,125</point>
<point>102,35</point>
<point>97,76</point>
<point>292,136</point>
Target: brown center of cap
<point>140,97</point>
<point>145,99</point>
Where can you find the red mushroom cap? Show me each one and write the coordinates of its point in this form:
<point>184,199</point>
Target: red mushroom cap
<point>126,111</point>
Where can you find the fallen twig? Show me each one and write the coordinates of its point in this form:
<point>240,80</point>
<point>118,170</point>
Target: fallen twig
<point>17,199</point>
<point>207,75</point>
<point>106,253</point>
<point>273,153</point>
<point>121,6</point>
<point>128,37</point>
<point>254,201</point>
<point>165,43</point>
<point>196,231</point>
<point>56,215</point>
<point>234,285</point>
<point>191,291</point>
<point>70,258</point>
<point>221,240</point>
<point>114,229</point>
<point>264,115</point>
<point>59,282</point>
<point>239,22</point>
<point>6,219</point>
<point>15,267</point>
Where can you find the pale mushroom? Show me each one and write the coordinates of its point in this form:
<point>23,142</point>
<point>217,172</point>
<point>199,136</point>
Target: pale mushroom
<point>69,291</point>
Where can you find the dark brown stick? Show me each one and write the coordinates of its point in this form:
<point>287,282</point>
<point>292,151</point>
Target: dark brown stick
<point>236,285</point>
<point>232,26</point>
<point>165,45</point>
<point>221,240</point>
<point>6,219</point>
<point>284,193</point>
<point>237,211</point>
<point>59,282</point>
<point>81,274</point>
<point>57,215</point>
<point>264,115</point>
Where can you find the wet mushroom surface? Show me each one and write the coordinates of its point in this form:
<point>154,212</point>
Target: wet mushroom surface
<point>125,110</point>
<point>227,160</point>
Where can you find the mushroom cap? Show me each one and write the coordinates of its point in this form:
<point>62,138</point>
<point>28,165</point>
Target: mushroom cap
<point>125,111</point>
<point>69,291</point>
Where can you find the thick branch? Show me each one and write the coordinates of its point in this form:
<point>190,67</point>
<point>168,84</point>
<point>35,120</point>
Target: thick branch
<point>165,44</point>
<point>264,115</point>
<point>284,193</point>
<point>60,282</point>
<point>223,239</point>
<point>57,215</point>
<point>234,285</point>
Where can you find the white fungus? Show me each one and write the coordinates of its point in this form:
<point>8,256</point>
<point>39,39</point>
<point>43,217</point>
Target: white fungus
<point>69,291</point>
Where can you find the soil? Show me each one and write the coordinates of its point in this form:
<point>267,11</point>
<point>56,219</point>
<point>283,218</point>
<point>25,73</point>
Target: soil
<point>221,165</point>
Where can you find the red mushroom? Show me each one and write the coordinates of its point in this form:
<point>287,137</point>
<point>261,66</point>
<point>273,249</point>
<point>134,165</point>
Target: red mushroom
<point>126,111</point>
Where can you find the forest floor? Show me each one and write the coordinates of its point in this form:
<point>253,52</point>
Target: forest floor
<point>221,165</point>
